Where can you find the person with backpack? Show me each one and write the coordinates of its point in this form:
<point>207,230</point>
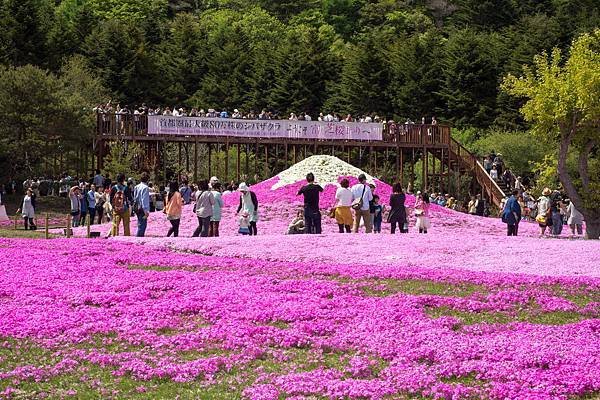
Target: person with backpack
<point>141,204</point>
<point>205,202</point>
<point>121,200</point>
<point>186,192</point>
<point>361,203</point>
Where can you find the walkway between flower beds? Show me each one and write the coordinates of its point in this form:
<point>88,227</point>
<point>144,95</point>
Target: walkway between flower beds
<point>526,255</point>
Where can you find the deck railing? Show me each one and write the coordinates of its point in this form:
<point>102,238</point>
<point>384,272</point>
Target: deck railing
<point>113,125</point>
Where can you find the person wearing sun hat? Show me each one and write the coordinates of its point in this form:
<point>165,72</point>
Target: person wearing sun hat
<point>544,218</point>
<point>248,204</point>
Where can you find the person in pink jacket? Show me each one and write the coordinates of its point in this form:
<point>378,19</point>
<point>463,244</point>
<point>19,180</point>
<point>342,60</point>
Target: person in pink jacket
<point>422,212</point>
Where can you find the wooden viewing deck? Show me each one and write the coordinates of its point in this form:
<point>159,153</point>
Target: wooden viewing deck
<point>443,158</point>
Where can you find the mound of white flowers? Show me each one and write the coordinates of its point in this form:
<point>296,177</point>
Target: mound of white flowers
<point>327,170</point>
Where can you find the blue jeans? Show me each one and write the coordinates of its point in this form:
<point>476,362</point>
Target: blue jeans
<point>312,221</point>
<point>557,223</point>
<point>142,222</point>
<point>377,225</point>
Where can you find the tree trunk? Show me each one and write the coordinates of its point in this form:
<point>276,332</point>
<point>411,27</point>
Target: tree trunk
<point>592,228</point>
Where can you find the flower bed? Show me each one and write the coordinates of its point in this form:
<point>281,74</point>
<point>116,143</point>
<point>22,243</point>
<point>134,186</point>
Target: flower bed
<point>113,319</point>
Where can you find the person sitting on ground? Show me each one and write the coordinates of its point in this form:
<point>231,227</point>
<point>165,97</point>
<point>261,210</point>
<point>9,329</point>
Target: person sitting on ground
<point>297,224</point>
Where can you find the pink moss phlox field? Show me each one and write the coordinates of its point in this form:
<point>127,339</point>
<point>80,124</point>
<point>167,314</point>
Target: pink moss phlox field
<point>278,207</point>
<point>78,297</point>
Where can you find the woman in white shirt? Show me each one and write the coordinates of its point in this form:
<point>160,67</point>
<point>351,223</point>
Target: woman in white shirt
<point>343,202</point>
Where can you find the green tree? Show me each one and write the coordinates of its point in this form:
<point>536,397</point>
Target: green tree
<point>471,77</point>
<point>123,158</point>
<point>118,52</point>
<point>415,77</point>
<point>562,106</point>
<point>25,26</point>
<point>302,69</point>
<point>364,78</point>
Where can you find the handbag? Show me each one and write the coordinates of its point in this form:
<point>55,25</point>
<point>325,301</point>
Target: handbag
<point>332,212</point>
<point>541,218</point>
<point>358,203</point>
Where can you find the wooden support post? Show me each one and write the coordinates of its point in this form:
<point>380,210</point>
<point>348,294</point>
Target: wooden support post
<point>196,161</point>
<point>285,155</point>
<point>256,157</point>
<point>412,170</point>
<point>46,228</point>
<point>401,178</point>
<point>398,173</point>
<point>87,225</point>
<point>164,149</point>
<point>179,156</point>
<point>16,221</point>
<point>226,160</point>
<point>295,155</point>
<point>348,157</point>
<point>266,171</point>
<point>210,160</point>
<point>374,155</point>
<point>246,162</point>
<point>237,166</point>
<point>425,169</point>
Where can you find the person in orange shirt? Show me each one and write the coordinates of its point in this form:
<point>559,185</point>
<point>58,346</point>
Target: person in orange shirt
<point>174,204</point>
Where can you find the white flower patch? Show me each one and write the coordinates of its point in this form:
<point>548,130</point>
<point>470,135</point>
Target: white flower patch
<point>327,170</point>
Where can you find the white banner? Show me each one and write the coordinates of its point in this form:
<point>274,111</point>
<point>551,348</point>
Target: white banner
<point>192,126</point>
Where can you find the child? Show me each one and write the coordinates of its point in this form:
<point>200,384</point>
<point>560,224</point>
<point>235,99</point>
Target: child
<point>244,224</point>
<point>378,210</point>
<point>422,213</point>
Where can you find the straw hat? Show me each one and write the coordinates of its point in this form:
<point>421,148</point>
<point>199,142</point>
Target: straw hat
<point>546,192</point>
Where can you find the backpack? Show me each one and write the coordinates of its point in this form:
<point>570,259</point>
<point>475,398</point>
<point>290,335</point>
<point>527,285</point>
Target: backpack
<point>119,201</point>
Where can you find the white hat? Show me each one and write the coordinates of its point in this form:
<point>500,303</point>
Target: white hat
<point>243,187</point>
<point>214,179</point>
<point>236,110</point>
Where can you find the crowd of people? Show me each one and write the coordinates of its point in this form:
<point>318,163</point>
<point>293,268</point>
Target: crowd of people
<point>359,203</point>
<point>121,112</point>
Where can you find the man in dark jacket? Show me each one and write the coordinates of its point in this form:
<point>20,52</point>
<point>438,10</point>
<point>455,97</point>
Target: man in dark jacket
<point>312,214</point>
<point>511,215</point>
